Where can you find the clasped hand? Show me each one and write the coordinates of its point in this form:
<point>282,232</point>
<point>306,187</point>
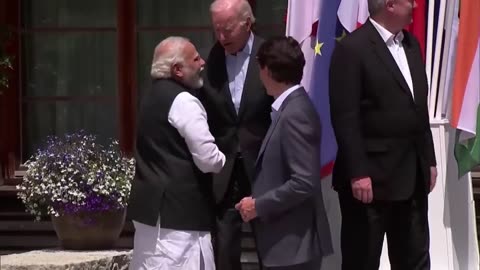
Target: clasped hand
<point>246,207</point>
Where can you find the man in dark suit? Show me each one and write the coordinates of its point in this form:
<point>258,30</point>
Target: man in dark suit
<point>385,165</point>
<point>238,110</point>
<point>286,203</point>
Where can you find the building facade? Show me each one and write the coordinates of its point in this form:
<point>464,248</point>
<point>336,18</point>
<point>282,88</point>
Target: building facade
<point>83,65</point>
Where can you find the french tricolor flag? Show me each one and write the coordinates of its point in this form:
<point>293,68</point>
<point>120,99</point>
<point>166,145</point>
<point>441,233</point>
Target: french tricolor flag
<point>353,13</point>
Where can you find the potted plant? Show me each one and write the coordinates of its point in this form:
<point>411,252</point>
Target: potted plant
<point>83,186</point>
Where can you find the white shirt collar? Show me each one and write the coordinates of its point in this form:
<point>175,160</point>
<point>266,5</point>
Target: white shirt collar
<point>278,101</point>
<point>386,35</point>
<point>248,47</point>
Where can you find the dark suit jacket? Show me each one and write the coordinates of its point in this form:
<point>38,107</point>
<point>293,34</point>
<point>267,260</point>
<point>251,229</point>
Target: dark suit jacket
<point>292,225</point>
<point>382,132</point>
<point>235,133</point>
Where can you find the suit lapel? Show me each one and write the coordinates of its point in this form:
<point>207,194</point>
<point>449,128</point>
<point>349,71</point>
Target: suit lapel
<point>274,123</point>
<point>384,54</point>
<point>268,135</point>
<point>250,79</point>
<point>228,97</point>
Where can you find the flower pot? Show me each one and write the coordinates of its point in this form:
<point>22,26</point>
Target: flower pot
<point>89,231</point>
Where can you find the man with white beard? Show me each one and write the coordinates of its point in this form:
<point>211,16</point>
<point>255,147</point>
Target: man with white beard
<point>171,201</point>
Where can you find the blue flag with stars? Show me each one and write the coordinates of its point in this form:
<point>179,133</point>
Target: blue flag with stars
<point>329,29</point>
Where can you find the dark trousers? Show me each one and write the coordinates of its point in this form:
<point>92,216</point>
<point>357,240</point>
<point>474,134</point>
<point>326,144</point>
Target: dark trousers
<point>404,222</point>
<point>228,234</point>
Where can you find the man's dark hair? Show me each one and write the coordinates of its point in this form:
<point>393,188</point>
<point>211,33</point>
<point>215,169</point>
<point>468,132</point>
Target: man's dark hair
<point>284,59</point>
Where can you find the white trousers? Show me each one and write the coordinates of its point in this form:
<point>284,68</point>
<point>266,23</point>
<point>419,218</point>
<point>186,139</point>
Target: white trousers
<point>156,248</point>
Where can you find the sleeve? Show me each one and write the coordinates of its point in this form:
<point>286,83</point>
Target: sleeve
<point>429,148</point>
<point>428,139</point>
<point>345,91</point>
<point>300,142</point>
<point>188,116</point>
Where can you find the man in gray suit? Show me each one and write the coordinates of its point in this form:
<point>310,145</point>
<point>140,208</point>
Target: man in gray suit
<point>286,206</point>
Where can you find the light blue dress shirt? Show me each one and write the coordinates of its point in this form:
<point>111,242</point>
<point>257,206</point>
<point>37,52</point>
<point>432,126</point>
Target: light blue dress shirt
<point>237,66</point>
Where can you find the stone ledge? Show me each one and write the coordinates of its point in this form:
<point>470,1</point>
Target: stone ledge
<point>64,259</point>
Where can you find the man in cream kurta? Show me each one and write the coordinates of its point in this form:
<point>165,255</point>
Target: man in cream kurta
<point>170,204</point>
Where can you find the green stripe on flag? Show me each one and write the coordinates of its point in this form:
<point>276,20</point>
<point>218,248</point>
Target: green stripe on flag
<point>467,153</point>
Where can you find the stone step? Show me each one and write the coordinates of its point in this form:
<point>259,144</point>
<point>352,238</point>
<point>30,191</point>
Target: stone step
<point>20,233</point>
<point>55,259</point>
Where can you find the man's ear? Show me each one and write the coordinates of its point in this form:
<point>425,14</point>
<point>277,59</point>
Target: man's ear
<point>248,24</point>
<point>389,4</point>
<point>177,70</point>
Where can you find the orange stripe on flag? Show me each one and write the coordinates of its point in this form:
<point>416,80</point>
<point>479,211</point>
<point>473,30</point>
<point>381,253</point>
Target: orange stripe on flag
<point>468,36</point>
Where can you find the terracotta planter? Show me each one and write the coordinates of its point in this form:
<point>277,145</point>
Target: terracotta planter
<point>89,231</point>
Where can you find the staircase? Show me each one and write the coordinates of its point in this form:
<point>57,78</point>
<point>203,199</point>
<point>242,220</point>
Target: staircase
<point>19,233</point>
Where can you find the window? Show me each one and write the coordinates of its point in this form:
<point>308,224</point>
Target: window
<point>69,66</point>
<point>82,64</point>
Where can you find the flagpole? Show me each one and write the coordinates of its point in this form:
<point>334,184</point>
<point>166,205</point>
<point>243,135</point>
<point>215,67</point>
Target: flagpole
<point>450,13</point>
<point>428,55</point>
<point>434,90</point>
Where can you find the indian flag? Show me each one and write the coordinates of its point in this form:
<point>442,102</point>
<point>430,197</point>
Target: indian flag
<point>466,88</point>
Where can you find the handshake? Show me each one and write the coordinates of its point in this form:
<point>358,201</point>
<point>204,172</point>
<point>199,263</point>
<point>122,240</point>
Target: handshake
<point>246,207</point>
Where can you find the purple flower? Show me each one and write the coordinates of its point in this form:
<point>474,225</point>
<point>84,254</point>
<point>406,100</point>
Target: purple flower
<point>76,174</point>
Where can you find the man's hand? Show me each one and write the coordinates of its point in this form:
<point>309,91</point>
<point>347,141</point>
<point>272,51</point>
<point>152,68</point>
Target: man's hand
<point>433,177</point>
<point>362,189</point>
<point>247,208</point>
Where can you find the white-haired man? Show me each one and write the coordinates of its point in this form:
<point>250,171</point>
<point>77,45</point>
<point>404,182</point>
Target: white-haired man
<point>385,166</point>
<point>238,109</point>
<point>171,203</point>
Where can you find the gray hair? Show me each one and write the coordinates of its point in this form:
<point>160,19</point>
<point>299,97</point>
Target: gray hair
<point>167,53</point>
<point>375,6</point>
<point>243,8</point>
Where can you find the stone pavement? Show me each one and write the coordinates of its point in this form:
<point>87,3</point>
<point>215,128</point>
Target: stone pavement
<point>53,259</point>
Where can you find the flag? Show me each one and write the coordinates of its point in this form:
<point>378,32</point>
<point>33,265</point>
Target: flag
<point>436,11</point>
<point>313,23</point>
<point>353,13</point>
<point>304,25</point>
<point>466,88</point>
<point>327,33</point>
<point>450,60</point>
<point>418,27</point>
<point>329,29</point>
<point>302,21</point>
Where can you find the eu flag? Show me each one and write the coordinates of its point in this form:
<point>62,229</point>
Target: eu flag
<point>329,29</point>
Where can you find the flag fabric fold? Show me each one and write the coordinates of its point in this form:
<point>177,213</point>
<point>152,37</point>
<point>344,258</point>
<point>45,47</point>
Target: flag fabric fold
<point>353,13</point>
<point>466,88</point>
<point>327,33</point>
<point>419,25</point>
<point>303,21</point>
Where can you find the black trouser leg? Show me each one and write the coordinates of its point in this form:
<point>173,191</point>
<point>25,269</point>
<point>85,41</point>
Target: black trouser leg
<point>362,234</point>
<point>408,234</point>
<point>228,241</point>
<point>228,235</point>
